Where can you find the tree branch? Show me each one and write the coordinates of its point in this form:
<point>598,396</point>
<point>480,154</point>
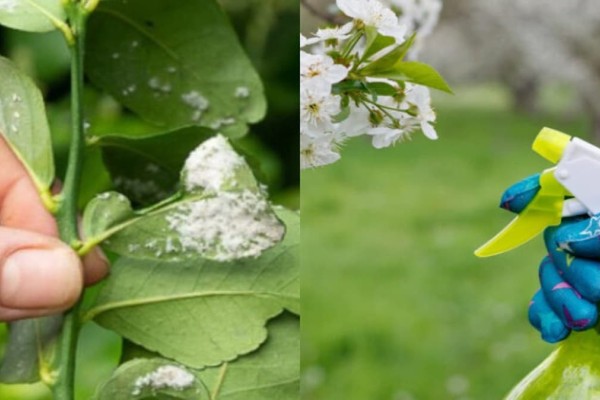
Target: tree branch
<point>332,19</point>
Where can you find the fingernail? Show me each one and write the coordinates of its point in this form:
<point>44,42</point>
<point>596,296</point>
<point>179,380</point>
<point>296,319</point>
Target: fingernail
<point>40,278</point>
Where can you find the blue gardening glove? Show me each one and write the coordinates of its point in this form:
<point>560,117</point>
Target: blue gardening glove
<point>569,274</point>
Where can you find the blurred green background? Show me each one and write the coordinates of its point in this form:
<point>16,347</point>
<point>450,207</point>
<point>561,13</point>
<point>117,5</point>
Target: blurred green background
<point>395,304</point>
<point>269,32</point>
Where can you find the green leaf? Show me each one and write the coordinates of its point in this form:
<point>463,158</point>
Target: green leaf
<point>201,312</point>
<point>131,351</point>
<point>271,372</point>
<point>24,125</point>
<point>174,66</point>
<point>105,211</point>
<point>141,168</point>
<point>381,89</point>
<point>373,88</point>
<point>348,85</point>
<point>344,112</point>
<point>415,72</point>
<point>389,60</point>
<point>28,340</point>
<point>156,378</point>
<point>32,15</point>
<point>376,42</point>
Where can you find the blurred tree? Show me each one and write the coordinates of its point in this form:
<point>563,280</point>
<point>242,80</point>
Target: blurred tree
<point>525,45</point>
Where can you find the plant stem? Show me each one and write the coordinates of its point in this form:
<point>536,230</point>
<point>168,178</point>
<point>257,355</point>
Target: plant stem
<point>352,42</point>
<point>67,213</point>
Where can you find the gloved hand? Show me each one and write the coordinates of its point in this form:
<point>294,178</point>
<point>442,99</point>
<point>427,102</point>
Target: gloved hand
<point>569,274</point>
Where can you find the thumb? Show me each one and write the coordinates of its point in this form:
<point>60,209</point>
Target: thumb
<point>38,274</point>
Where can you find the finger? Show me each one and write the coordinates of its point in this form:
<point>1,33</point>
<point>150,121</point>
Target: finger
<point>519,195</point>
<point>20,204</point>
<point>37,272</point>
<point>11,314</point>
<point>582,273</point>
<point>579,237</point>
<point>545,320</point>
<point>95,266</point>
<point>574,311</point>
<point>95,263</point>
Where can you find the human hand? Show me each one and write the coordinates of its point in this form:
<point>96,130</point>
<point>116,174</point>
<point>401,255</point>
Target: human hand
<point>569,274</point>
<point>39,275</point>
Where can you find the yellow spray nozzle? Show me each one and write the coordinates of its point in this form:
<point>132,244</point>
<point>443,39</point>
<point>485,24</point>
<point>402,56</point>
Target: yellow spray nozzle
<point>544,210</point>
<point>551,144</point>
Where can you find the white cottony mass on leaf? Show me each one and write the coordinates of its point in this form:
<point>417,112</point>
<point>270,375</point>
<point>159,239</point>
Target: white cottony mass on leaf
<point>233,220</point>
<point>211,165</point>
<point>221,214</point>
<point>165,377</point>
<point>229,226</point>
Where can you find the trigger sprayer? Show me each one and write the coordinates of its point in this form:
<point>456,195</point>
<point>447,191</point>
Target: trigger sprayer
<point>576,175</point>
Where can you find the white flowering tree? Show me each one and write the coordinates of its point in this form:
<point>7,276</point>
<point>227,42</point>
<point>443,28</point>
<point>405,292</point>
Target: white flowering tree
<point>525,45</point>
<point>360,79</point>
<point>204,285</point>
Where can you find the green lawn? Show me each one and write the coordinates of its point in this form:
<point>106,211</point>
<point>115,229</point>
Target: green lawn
<point>395,305</point>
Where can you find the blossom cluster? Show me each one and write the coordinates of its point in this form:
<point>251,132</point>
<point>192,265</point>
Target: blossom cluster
<point>349,86</point>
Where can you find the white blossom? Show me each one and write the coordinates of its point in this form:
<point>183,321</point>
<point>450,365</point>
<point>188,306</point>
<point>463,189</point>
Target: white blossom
<point>317,151</point>
<point>421,97</point>
<point>336,34</point>
<point>373,13</point>
<point>316,110</point>
<point>332,113</point>
<point>319,72</point>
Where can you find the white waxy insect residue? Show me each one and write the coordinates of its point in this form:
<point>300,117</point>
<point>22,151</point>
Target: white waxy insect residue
<point>242,92</point>
<point>135,44</point>
<point>129,90</point>
<point>116,56</point>
<point>17,114</point>
<point>8,5</point>
<point>159,86</point>
<point>132,248</point>
<point>172,70</point>
<point>211,165</point>
<point>15,97</point>
<point>165,377</point>
<point>230,224</point>
<point>170,246</point>
<point>14,128</point>
<point>222,122</point>
<point>196,102</point>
